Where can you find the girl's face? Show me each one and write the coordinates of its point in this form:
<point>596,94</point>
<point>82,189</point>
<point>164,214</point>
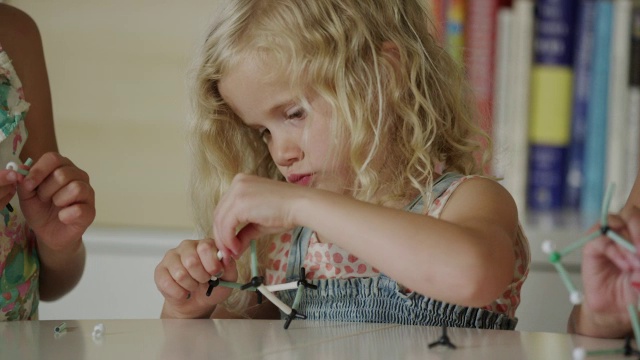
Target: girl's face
<point>298,136</point>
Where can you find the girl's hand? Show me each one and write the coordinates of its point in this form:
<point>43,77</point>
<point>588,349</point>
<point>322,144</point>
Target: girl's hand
<point>182,278</point>
<point>611,274</point>
<point>8,182</point>
<point>256,207</point>
<point>57,201</point>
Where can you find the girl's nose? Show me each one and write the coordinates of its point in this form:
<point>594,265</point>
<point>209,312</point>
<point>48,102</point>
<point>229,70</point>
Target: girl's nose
<point>285,151</point>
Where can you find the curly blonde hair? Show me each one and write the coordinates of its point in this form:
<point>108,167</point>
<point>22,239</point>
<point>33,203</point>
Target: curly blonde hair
<point>399,100</point>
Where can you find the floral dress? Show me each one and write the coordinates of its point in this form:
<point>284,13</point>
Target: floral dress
<point>19,265</point>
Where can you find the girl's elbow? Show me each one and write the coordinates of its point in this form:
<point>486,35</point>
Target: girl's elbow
<point>483,295</point>
<point>485,287</point>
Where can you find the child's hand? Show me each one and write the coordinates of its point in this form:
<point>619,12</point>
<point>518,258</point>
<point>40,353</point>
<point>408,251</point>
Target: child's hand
<point>260,206</point>
<point>609,273</point>
<point>8,182</point>
<point>57,201</point>
<point>182,277</point>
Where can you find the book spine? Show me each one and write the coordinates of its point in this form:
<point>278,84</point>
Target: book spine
<point>479,55</point>
<point>551,93</point>
<point>515,181</point>
<point>580,103</point>
<point>501,93</point>
<point>616,157</point>
<point>455,29</point>
<point>596,139</point>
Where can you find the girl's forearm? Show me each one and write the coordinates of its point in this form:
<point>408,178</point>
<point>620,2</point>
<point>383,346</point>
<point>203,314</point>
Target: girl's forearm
<point>434,257</point>
<point>60,271</point>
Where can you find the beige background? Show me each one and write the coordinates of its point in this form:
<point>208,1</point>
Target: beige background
<point>118,79</point>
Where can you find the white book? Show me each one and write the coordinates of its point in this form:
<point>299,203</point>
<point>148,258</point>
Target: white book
<point>617,162</point>
<point>501,87</point>
<point>515,176</point>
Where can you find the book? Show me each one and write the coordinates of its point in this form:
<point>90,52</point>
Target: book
<point>550,109</point>
<point>515,179</point>
<point>617,159</point>
<point>583,56</point>
<point>596,140</point>
<point>479,54</point>
<point>454,17</point>
<point>501,92</point>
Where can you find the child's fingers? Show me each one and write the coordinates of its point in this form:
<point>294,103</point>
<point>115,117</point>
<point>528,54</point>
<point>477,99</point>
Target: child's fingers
<point>58,179</point>
<point>224,233</point>
<point>4,200</point>
<point>618,256</point>
<point>633,227</point>
<point>80,215</point>
<point>52,167</point>
<point>167,286</point>
<point>72,193</point>
<point>8,178</point>
<point>630,231</point>
<point>8,181</point>
<point>251,232</point>
<point>191,261</point>
<point>182,276</point>
<point>208,256</point>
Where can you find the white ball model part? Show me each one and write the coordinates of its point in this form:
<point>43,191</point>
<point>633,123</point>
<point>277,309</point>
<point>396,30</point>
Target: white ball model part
<point>576,297</point>
<point>11,165</point>
<point>579,353</point>
<point>98,330</point>
<point>548,246</point>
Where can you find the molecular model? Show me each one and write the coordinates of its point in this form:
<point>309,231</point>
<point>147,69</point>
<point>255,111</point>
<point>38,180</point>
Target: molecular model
<point>257,284</point>
<point>555,257</point>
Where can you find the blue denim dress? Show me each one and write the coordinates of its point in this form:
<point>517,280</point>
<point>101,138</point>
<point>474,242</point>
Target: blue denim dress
<point>381,299</point>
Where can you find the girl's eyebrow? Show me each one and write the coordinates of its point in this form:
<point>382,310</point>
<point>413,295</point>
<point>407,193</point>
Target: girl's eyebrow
<point>280,106</point>
<point>274,111</point>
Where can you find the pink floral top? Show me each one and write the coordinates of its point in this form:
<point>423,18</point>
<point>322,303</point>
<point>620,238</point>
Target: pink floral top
<point>324,260</point>
<point>19,266</point>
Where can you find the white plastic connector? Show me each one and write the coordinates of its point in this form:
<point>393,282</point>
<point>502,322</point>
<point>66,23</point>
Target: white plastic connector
<point>579,353</point>
<point>576,297</point>
<point>548,247</point>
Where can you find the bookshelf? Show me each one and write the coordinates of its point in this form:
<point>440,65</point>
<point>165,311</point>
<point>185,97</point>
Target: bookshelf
<point>564,119</point>
<point>564,114</point>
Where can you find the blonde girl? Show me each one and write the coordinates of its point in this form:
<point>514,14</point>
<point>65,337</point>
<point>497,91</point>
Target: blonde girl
<point>343,137</point>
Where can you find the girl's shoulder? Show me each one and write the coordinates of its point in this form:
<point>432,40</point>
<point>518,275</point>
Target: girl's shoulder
<point>14,21</point>
<point>19,33</point>
<point>471,188</point>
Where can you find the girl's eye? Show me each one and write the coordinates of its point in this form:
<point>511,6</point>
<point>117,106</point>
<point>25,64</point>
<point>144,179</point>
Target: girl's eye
<point>296,114</point>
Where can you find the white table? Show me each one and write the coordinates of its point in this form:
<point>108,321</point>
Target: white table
<point>266,339</point>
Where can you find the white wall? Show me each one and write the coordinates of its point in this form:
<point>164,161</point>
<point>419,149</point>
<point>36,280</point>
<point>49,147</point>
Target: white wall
<point>118,280</point>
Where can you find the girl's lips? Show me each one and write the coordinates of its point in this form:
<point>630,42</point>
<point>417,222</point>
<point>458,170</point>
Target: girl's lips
<point>303,179</point>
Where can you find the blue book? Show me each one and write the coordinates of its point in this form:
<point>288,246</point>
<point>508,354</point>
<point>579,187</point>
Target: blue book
<point>550,108</point>
<point>581,86</point>
<point>596,138</point>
